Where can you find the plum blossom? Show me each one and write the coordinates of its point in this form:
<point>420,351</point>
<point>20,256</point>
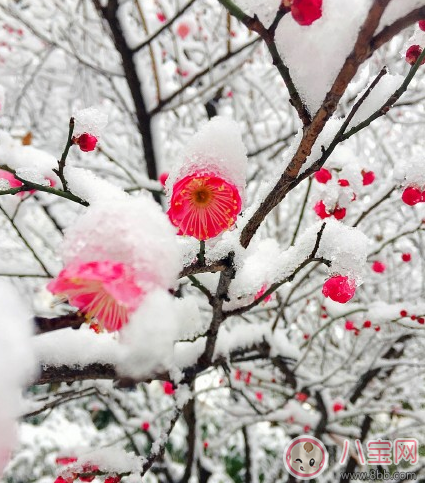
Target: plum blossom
<point>206,188</point>
<point>103,290</point>
<point>339,289</point>
<point>204,205</point>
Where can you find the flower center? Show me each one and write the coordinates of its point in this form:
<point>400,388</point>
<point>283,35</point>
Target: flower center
<point>201,197</point>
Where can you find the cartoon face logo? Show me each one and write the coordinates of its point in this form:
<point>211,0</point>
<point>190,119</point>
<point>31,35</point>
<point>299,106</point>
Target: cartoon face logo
<point>305,457</point>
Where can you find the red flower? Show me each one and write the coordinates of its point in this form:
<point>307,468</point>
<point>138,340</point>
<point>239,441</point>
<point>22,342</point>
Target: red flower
<point>320,210</point>
<point>378,267</point>
<point>248,377</point>
<point>259,396</point>
<point>168,388</point>
<point>65,460</point>
<point>205,444</point>
<point>343,182</point>
<point>161,17</point>
<point>413,53</point>
<point>301,396</point>
<point>406,257</point>
<point>61,479</point>
<point>305,12</point>
<point>421,24</point>
<point>145,426</point>
<point>339,213</point>
<point>306,428</point>
<point>367,324</point>
<point>183,30</point>
<point>163,178</point>
<point>377,328</point>
<point>337,406</point>
<point>204,205</point>
<point>306,336</point>
<point>323,175</point>
<point>113,479</point>
<point>105,290</point>
<point>349,325</point>
<point>339,289</point>
<point>411,196</point>
<point>238,375</point>
<point>87,142</point>
<point>261,292</point>
<point>368,177</point>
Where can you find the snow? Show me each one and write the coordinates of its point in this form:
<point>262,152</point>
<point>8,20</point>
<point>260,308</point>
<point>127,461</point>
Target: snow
<point>17,364</point>
<point>410,172</point>
<point>33,176</point>
<point>397,10</point>
<point>2,98</point>
<point>345,247</point>
<point>377,98</point>
<point>33,163</point>
<point>312,54</point>
<point>4,185</point>
<point>216,148</point>
<point>90,120</point>
<point>266,10</point>
<point>75,347</point>
<point>148,338</point>
<point>110,460</point>
<point>133,230</point>
<point>89,187</point>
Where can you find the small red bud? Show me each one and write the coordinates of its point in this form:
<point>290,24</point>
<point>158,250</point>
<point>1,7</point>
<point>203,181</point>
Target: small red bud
<point>323,175</point>
<point>406,257</point>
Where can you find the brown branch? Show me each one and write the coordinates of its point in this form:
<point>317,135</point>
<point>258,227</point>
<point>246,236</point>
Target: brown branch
<point>219,315</point>
<point>311,132</point>
<point>44,324</point>
<point>163,102</point>
<point>64,373</point>
<point>268,35</point>
<point>144,119</point>
<point>311,258</point>
<point>387,33</point>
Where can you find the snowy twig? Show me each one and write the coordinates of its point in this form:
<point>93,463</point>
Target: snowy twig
<point>289,278</point>
<point>144,119</point>
<point>62,161</point>
<point>289,180</point>
<point>28,185</point>
<point>166,26</point>
<point>26,243</point>
<point>254,24</point>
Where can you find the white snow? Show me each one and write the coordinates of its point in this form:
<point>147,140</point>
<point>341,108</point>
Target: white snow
<point>33,163</point>
<point>90,120</point>
<point>149,337</point>
<point>17,364</point>
<point>132,230</point>
<point>312,54</point>
<point>376,99</point>
<point>216,148</point>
